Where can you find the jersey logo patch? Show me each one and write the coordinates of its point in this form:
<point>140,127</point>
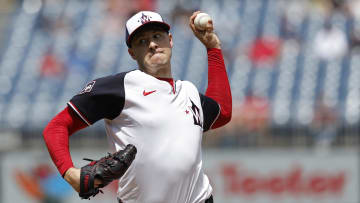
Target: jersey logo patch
<point>196,114</point>
<point>147,93</point>
<point>88,87</point>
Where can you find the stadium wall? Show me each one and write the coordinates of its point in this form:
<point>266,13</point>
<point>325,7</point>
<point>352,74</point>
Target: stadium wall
<point>238,176</point>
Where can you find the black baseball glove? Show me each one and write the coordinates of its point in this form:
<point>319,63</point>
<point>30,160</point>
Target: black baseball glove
<point>106,169</point>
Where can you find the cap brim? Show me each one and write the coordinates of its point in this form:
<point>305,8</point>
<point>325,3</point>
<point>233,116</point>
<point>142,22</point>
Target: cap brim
<point>147,24</point>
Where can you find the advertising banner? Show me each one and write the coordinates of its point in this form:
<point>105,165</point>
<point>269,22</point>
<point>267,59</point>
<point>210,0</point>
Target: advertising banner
<point>283,176</point>
<point>31,177</point>
<point>259,176</point>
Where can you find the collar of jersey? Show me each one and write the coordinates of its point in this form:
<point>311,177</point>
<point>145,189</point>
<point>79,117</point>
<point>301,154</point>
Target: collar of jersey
<point>170,81</point>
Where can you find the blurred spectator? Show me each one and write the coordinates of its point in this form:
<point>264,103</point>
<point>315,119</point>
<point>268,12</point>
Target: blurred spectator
<point>330,42</point>
<point>338,6</point>
<point>117,13</point>
<point>231,134</point>
<point>330,7</point>
<point>355,40</point>
<point>293,12</point>
<point>354,8</point>
<point>288,30</point>
<point>120,10</point>
<point>320,6</point>
<point>354,31</point>
<point>44,23</point>
<point>7,5</point>
<point>324,124</point>
<point>181,13</point>
<point>248,125</point>
<point>51,66</point>
<point>265,50</point>
<point>254,113</point>
<point>62,26</point>
<point>146,5</point>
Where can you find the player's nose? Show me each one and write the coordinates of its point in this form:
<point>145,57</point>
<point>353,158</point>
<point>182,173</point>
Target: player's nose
<point>153,45</point>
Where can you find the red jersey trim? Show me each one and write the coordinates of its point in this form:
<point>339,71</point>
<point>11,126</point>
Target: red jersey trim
<point>170,81</point>
<point>216,117</point>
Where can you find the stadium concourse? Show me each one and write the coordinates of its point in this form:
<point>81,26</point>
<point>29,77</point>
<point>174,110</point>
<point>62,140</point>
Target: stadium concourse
<point>293,65</point>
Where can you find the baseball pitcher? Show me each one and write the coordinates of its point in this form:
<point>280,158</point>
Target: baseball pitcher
<point>154,123</point>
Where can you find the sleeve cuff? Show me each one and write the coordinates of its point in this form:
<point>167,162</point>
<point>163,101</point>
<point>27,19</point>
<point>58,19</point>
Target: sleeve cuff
<point>64,168</point>
<point>213,50</point>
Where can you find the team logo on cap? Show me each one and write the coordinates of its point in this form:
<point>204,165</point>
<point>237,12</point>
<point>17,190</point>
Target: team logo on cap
<point>144,18</point>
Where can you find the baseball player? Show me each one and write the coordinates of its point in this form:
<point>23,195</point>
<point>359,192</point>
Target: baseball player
<point>165,119</point>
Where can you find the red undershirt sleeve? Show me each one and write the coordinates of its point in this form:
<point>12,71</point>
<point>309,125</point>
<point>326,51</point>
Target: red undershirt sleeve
<point>218,86</point>
<point>56,136</point>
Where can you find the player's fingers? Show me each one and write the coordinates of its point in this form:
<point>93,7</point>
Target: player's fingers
<point>192,26</point>
<point>210,26</point>
<point>97,182</point>
<point>193,16</point>
<point>191,20</point>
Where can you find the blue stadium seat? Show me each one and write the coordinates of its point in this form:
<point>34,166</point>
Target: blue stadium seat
<point>291,84</point>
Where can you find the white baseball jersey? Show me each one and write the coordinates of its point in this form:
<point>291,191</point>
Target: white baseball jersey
<point>165,122</point>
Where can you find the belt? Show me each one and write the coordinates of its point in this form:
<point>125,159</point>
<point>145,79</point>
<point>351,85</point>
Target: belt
<point>210,200</point>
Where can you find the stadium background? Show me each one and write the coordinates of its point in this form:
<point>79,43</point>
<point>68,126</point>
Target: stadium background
<point>294,73</point>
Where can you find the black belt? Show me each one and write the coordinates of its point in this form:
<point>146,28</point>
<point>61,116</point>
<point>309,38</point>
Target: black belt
<point>210,200</point>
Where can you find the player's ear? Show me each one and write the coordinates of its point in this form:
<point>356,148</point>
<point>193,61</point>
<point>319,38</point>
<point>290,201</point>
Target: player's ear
<point>171,40</point>
<point>131,53</point>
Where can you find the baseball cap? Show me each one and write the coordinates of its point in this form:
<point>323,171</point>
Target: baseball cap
<point>139,20</point>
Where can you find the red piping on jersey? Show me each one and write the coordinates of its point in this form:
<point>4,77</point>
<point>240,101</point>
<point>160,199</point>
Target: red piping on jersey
<point>56,136</point>
<point>218,86</point>
<point>170,81</point>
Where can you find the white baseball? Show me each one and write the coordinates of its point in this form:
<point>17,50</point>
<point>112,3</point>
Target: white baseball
<point>201,21</point>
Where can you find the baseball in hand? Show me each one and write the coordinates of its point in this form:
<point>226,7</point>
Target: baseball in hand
<point>201,20</point>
